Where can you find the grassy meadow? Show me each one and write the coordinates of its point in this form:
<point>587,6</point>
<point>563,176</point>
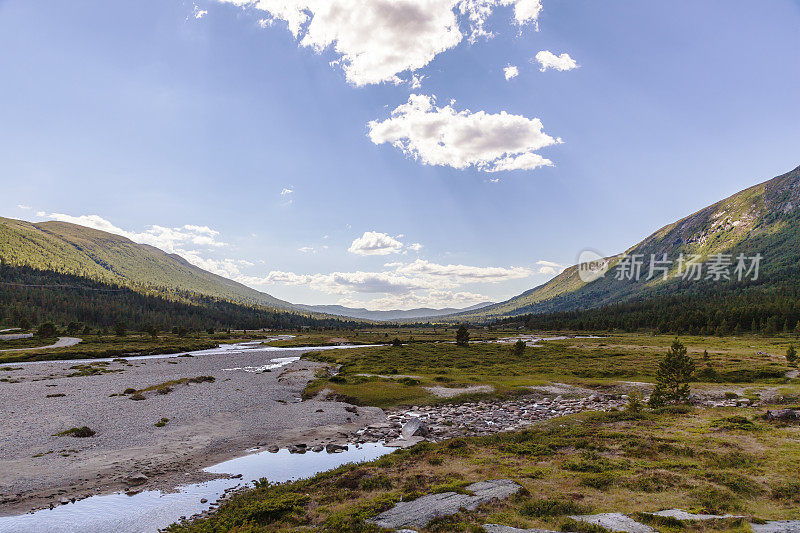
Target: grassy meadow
<point>723,460</point>
<point>399,375</point>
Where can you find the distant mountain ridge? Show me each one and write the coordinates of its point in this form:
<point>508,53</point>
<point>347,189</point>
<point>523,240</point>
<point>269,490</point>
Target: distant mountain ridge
<point>764,219</point>
<point>396,314</point>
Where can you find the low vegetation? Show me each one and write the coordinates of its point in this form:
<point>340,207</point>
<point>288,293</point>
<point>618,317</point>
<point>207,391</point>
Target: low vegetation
<point>586,463</point>
<point>401,375</point>
<point>81,432</point>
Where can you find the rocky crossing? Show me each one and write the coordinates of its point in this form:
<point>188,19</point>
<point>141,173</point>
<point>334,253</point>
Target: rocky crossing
<point>471,419</point>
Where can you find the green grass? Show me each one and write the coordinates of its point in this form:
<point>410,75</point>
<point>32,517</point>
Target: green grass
<point>654,460</point>
<point>594,362</point>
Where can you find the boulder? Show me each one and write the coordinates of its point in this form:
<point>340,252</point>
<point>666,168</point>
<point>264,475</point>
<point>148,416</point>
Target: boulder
<point>615,522</point>
<point>418,513</point>
<point>414,428</point>
<point>782,414</point>
<point>136,478</point>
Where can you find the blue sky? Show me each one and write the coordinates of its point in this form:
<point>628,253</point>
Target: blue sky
<point>211,130</point>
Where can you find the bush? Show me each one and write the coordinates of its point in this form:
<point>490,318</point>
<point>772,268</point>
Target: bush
<point>81,432</point>
<point>46,330</point>
<point>579,526</point>
<point>545,508</point>
<point>397,342</point>
<point>518,349</point>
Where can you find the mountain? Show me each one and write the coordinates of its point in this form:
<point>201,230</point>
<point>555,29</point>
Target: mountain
<point>763,219</point>
<point>397,314</point>
<point>76,250</point>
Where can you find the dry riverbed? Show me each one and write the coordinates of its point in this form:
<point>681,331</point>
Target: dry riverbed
<point>204,422</point>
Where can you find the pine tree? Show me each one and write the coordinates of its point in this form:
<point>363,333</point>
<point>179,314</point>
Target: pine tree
<point>673,377</point>
<point>791,355</point>
<point>462,335</point>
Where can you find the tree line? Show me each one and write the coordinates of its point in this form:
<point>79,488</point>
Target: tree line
<point>31,296</point>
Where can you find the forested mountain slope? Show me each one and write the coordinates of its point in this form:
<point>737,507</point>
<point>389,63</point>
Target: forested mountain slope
<point>77,250</point>
<point>763,219</point>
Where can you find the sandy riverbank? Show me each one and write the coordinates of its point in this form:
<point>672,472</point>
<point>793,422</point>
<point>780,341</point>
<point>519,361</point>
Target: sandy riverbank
<point>208,422</point>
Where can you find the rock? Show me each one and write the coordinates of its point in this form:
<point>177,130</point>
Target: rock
<point>273,449</point>
<point>351,409</point>
<point>782,414</point>
<point>414,428</point>
<point>297,449</point>
<point>495,528</point>
<point>680,514</point>
<point>335,448</point>
<point>777,526</point>
<point>137,478</point>
<point>404,443</point>
<point>237,476</point>
<point>203,500</point>
<point>615,522</point>
<point>318,448</point>
<point>63,501</point>
<point>418,513</point>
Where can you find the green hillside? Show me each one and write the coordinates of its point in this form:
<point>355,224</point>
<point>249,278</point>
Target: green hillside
<point>762,219</point>
<point>104,257</point>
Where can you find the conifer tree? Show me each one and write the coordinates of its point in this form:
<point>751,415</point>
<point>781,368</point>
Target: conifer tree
<point>672,379</point>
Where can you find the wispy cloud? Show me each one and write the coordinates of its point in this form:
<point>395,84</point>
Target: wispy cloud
<point>169,239</point>
<point>550,267</point>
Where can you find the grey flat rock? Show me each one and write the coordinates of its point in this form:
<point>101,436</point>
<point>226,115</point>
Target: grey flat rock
<point>680,514</point>
<point>419,512</point>
<point>495,528</point>
<point>777,526</point>
<point>615,522</point>
<point>404,443</point>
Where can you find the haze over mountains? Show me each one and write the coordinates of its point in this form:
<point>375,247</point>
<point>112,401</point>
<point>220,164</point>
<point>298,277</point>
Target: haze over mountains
<point>396,314</point>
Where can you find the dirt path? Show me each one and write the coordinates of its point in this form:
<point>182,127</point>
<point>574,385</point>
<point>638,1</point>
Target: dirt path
<point>62,342</point>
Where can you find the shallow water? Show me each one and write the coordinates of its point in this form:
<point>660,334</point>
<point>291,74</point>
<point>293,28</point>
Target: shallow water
<point>149,511</point>
<point>236,348</point>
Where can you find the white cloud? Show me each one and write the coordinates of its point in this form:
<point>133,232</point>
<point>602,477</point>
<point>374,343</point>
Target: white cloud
<point>286,191</point>
<point>415,247</point>
<point>511,72</point>
<point>199,13</point>
<point>168,239</point>
<point>550,267</point>
<point>375,243</point>
<point>228,268</point>
<point>459,274</point>
<point>377,40</point>
<point>24,207</point>
<point>548,59</point>
<point>445,137</point>
<point>402,285</point>
<point>307,249</point>
<point>527,11</point>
